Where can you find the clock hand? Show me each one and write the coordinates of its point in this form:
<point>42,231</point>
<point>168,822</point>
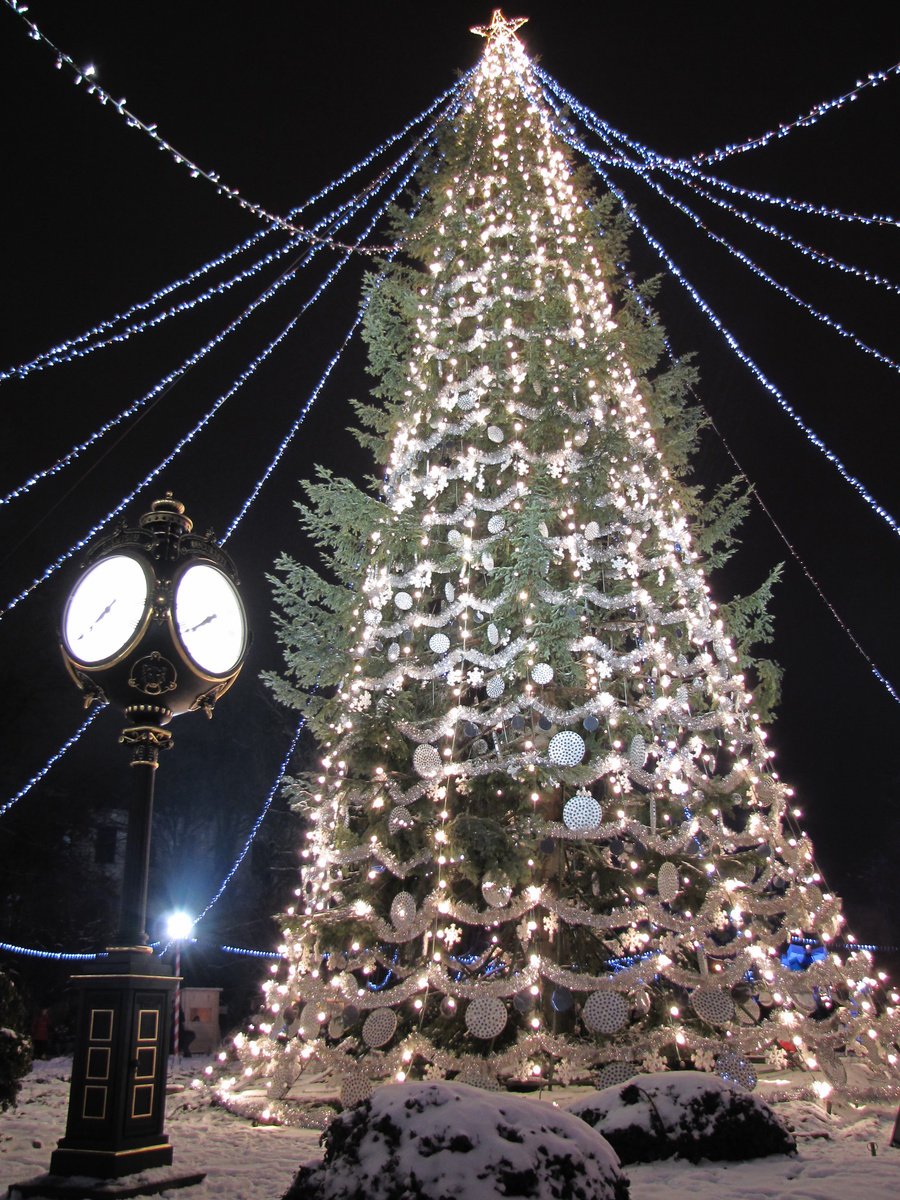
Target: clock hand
<point>200,624</point>
<point>90,628</point>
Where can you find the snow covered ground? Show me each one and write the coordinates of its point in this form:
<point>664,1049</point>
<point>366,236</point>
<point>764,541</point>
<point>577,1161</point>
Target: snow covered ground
<point>243,1162</point>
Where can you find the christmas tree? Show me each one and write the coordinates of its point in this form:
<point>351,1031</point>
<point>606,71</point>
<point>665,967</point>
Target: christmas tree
<point>546,839</point>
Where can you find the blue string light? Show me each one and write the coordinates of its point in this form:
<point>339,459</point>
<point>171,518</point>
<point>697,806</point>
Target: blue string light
<point>142,306</point>
<point>58,955</point>
<point>728,336</point>
<point>52,760</point>
<point>88,75</point>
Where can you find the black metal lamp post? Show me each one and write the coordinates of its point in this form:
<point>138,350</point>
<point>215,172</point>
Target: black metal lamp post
<point>155,625</point>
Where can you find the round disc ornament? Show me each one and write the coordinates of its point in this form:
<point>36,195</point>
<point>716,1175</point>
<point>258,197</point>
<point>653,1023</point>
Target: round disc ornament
<point>403,910</point>
<point>523,1002</point>
<point>495,433</point>
<point>591,531</point>
<point>448,1007</point>
<point>400,818</point>
<point>439,643</point>
<point>308,1022</point>
<point>486,1017</point>
<point>667,882</point>
<point>379,1027</point>
<point>497,892</point>
<point>354,1089</point>
<point>566,749</point>
<point>495,687</point>
<point>541,673</point>
<point>605,1012</point>
<point>427,761</point>
<point>582,812</point>
<point>562,1000</point>
<point>615,1073</point>
<point>591,723</point>
<point>733,1068</point>
<point>713,1005</point>
<point>403,600</point>
<point>496,524</point>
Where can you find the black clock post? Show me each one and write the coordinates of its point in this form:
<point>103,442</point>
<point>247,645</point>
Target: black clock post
<point>154,625</point>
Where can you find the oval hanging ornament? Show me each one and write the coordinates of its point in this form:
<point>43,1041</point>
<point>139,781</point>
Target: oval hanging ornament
<point>496,524</point>
<point>582,812</point>
<point>495,687</point>
<point>427,761</point>
<point>497,892</point>
<point>439,643</point>
<point>493,634</point>
<point>591,723</point>
<point>403,910</point>
<point>354,1089</point>
<point>637,754</point>
<point>393,652</point>
<point>450,592</point>
<point>308,1022</point>
<point>733,1068</point>
<point>614,1074</point>
<point>400,818</point>
<point>487,561</point>
<point>562,999</point>
<point>667,882</point>
<point>486,1017</point>
<point>448,1007</point>
<point>403,600</point>
<point>566,748</point>
<point>541,673</point>
<point>336,1028</point>
<point>591,531</point>
<point>605,1012</point>
<point>379,1027</point>
<point>641,1002</point>
<point>713,1005</point>
<point>495,433</point>
<point>454,537</point>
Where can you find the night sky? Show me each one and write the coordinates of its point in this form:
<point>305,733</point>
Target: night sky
<point>279,99</point>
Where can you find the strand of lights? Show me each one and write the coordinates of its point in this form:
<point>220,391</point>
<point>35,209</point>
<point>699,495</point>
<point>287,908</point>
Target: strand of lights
<point>270,796</point>
<point>874,79</point>
<point>201,424</point>
<point>313,396</point>
<point>52,760</point>
<point>57,955</point>
<point>245,953</point>
<point>338,218</point>
<point>88,75</point>
<point>817,256</point>
<point>781,288</point>
<point>143,305</point>
<point>729,337</point>
<point>597,125</point>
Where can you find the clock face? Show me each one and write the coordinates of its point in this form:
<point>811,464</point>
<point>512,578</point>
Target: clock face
<point>105,609</point>
<point>209,618</point>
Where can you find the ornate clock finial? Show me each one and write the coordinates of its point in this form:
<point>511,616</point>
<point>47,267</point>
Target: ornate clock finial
<point>500,29</point>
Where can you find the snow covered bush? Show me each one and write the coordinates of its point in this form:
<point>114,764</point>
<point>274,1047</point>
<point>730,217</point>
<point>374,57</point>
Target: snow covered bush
<point>15,1046</point>
<point>443,1141</point>
<point>687,1114</point>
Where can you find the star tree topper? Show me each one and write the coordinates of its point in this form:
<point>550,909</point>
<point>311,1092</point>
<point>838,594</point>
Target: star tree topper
<point>500,29</point>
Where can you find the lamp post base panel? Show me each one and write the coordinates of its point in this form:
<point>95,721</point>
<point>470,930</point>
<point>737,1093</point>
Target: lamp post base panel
<point>118,1089</point>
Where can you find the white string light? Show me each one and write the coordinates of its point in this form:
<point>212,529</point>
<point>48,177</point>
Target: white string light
<point>52,760</point>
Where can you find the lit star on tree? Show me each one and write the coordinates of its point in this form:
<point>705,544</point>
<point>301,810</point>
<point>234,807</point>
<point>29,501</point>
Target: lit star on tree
<point>501,28</point>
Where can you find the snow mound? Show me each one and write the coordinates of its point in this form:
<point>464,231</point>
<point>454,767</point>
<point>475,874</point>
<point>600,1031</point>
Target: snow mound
<point>443,1141</point>
<point>687,1114</point>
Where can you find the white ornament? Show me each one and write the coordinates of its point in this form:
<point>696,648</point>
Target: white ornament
<point>450,592</point>
<point>486,1017</point>
<point>496,524</point>
<point>667,882</point>
<point>615,1073</point>
<point>427,761</point>
<point>372,616</point>
<point>582,812</point>
<point>403,600</point>
<point>393,652</point>
<point>308,1022</point>
<point>493,634</point>
<point>713,1005</point>
<point>487,561</point>
<point>379,1027</point>
<point>605,1012</point>
<point>400,818</point>
<point>591,531</point>
<point>495,433</point>
<point>439,643</point>
<point>495,686</point>
<point>454,537</point>
<point>542,673</point>
<point>637,754</point>
<point>403,909</point>
<point>543,530</point>
<point>566,749</point>
<point>496,893</point>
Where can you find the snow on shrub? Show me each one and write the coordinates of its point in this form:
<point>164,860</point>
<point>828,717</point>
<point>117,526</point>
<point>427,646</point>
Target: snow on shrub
<point>446,1141</point>
<point>688,1114</point>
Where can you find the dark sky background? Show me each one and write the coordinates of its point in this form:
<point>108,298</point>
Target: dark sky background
<point>279,99</point>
